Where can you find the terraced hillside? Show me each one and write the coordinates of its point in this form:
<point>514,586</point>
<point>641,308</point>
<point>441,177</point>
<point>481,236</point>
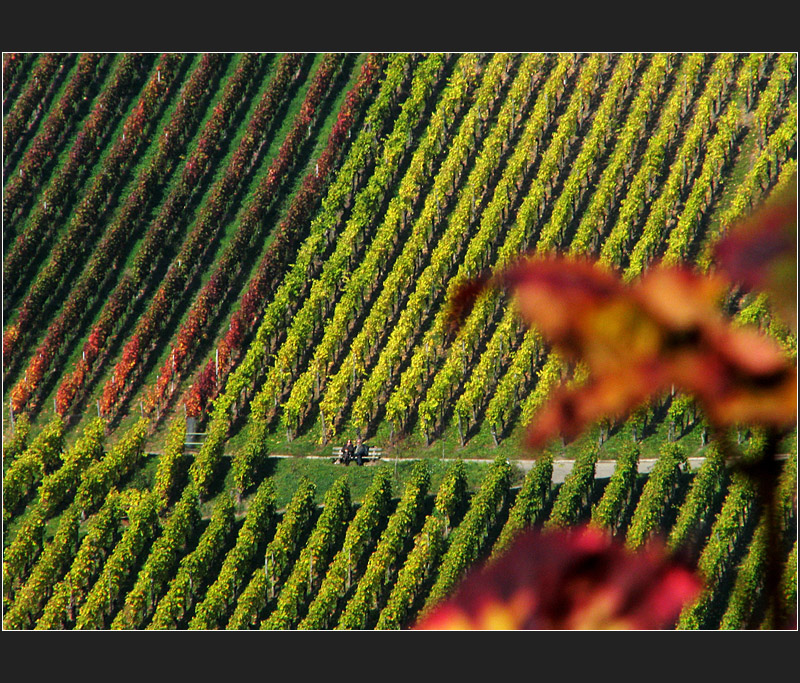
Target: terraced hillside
<point>262,246</point>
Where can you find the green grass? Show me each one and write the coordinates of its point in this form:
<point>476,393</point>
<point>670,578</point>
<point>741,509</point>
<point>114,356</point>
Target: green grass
<point>29,136</point>
<point>275,215</point>
<point>447,445</point>
<point>225,236</point>
<point>286,472</point>
<point>480,446</point>
<point>128,420</point>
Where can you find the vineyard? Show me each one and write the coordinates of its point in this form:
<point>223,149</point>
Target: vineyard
<point>217,264</point>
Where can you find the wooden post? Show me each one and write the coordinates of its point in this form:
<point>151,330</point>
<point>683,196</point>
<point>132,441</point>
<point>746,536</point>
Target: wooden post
<point>71,606</point>
<point>270,578</point>
<point>324,428</point>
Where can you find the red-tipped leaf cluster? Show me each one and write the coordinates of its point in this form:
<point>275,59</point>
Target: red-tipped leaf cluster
<point>569,579</point>
<point>761,254</point>
<point>641,339</point>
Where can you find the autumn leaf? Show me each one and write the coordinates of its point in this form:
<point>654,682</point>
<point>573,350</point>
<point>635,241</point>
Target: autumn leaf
<point>761,253</point>
<point>640,339</point>
<point>577,578</point>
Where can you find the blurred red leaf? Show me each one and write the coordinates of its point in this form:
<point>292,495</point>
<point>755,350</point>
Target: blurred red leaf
<point>640,339</point>
<point>569,579</point>
<point>761,253</point>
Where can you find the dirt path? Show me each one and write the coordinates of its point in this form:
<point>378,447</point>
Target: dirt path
<point>603,469</point>
<point>561,468</point>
